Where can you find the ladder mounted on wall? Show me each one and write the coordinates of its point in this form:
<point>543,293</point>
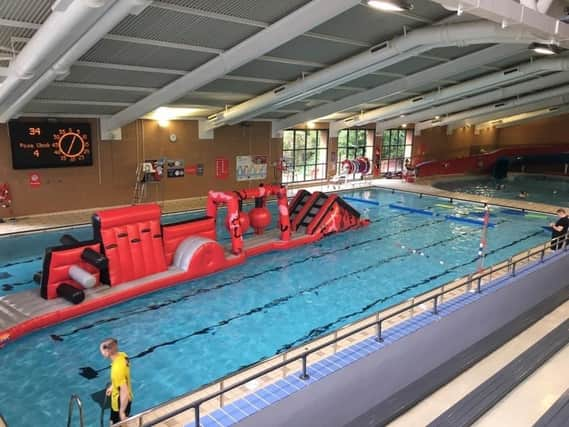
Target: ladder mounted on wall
<point>140,185</point>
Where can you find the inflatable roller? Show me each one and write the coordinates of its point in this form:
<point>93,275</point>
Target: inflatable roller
<point>70,293</point>
<point>81,276</point>
<point>96,259</point>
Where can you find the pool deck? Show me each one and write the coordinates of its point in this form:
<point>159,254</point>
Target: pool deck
<point>80,217</point>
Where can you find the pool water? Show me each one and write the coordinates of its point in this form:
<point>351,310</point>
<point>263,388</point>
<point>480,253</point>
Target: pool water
<point>540,188</point>
<point>186,336</point>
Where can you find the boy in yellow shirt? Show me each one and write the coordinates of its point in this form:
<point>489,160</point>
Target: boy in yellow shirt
<point>120,389</point>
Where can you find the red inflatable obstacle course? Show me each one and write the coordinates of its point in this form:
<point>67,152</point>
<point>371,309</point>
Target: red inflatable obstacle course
<point>133,253</point>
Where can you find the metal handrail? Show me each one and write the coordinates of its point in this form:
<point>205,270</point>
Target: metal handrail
<point>75,399</point>
<point>378,322</point>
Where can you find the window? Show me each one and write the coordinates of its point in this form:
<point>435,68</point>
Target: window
<point>396,146</point>
<point>304,152</point>
<point>354,143</point>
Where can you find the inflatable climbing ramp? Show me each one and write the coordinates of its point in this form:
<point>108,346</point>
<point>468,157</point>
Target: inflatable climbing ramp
<point>321,213</point>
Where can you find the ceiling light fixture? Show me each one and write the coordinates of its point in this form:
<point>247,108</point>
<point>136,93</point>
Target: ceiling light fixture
<point>404,125</point>
<point>390,5</point>
<point>545,49</point>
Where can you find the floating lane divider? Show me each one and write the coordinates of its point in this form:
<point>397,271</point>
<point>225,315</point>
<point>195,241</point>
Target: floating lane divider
<point>513,212</point>
<point>355,199</point>
<point>536,215</point>
<point>414,210</point>
<point>468,220</point>
<point>440,205</point>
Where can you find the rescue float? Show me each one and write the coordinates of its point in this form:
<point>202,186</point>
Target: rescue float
<point>133,254</point>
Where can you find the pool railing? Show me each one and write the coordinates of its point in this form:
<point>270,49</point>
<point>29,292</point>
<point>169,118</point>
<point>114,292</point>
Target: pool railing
<point>428,300</point>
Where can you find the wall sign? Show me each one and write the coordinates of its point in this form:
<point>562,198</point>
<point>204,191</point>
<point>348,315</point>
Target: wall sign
<point>50,145</point>
<point>251,168</point>
<point>34,180</point>
<point>221,167</point>
<point>175,169</point>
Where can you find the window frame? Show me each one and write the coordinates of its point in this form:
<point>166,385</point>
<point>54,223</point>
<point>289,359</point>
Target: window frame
<point>396,147</point>
<point>355,136</point>
<point>306,157</point>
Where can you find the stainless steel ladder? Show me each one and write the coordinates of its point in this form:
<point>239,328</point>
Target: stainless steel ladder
<point>75,399</point>
<point>139,186</point>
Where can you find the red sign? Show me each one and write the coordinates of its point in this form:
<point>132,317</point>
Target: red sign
<point>221,168</point>
<point>34,179</point>
<point>191,169</point>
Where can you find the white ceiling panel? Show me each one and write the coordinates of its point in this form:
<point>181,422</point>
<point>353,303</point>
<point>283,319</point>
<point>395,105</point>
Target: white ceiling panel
<point>273,70</point>
<point>411,66</point>
<point>80,74</point>
<point>63,108</point>
<point>166,25</point>
<point>32,11</point>
<point>56,92</point>
<point>7,35</point>
<point>310,49</point>
<point>372,25</point>
<point>118,52</point>
<point>252,88</point>
<point>259,10</point>
<point>370,81</point>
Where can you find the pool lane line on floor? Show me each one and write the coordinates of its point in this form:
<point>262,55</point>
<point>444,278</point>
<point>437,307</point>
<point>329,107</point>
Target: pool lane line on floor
<point>319,331</point>
<point>195,292</point>
<point>90,373</point>
<point>275,391</point>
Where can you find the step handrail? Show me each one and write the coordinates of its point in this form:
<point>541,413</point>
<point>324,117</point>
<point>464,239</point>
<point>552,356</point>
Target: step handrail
<point>434,299</point>
<point>75,399</point>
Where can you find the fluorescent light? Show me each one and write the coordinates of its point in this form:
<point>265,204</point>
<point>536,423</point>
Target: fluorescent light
<point>545,49</point>
<point>390,6</point>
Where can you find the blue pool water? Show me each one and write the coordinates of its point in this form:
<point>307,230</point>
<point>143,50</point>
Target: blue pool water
<point>189,335</point>
<point>540,188</point>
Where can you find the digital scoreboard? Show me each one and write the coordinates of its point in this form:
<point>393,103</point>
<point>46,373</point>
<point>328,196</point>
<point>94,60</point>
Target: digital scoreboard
<point>50,145</point>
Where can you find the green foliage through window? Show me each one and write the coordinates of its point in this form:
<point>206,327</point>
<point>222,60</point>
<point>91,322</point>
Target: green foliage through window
<point>305,154</point>
<point>396,146</point>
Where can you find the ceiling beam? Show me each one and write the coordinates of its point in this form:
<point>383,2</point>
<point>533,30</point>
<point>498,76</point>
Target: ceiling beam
<point>298,22</point>
<point>250,22</point>
<point>429,75</point>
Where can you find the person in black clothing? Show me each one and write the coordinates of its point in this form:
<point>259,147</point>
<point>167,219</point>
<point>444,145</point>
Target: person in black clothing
<point>559,229</point>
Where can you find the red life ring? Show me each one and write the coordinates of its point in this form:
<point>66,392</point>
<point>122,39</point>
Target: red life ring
<point>5,198</point>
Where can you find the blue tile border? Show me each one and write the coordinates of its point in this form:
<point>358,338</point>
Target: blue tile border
<point>264,397</point>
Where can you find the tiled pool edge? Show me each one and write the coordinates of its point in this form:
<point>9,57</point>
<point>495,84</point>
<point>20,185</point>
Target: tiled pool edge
<point>260,399</point>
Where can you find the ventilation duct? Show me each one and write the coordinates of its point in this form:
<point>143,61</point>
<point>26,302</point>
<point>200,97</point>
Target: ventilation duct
<point>400,48</point>
<point>496,95</point>
<point>293,25</point>
<point>529,99</point>
<point>60,69</point>
<point>470,87</point>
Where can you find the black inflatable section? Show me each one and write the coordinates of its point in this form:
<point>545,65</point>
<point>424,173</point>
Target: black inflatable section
<point>557,415</point>
<point>94,258</point>
<point>500,169</point>
<point>71,294</point>
<point>480,400</point>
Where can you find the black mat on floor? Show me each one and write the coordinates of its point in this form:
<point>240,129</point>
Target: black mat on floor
<point>558,414</point>
<point>480,400</point>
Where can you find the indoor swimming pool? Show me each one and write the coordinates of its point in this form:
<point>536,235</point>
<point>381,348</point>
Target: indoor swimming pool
<point>551,190</point>
<point>184,337</point>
